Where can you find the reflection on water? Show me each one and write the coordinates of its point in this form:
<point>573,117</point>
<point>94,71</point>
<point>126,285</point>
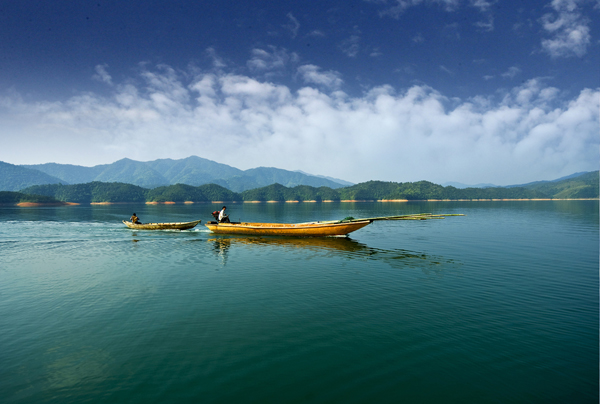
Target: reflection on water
<point>312,243</point>
<point>220,247</point>
<point>344,247</point>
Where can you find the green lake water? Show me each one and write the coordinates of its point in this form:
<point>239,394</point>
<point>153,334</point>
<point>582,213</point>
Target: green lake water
<point>498,306</point>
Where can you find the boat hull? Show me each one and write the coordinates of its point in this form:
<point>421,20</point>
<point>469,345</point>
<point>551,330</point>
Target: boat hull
<point>162,226</point>
<point>282,229</point>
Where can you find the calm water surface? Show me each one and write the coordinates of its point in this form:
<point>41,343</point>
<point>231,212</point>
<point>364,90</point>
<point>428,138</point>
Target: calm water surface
<point>498,306</point>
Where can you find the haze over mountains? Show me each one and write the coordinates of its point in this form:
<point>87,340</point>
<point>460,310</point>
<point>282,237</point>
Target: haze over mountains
<point>191,171</point>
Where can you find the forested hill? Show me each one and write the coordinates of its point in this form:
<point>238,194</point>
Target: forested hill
<point>583,186</point>
<point>13,198</point>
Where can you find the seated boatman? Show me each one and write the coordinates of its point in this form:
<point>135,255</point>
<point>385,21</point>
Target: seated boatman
<point>135,220</point>
<point>223,218</point>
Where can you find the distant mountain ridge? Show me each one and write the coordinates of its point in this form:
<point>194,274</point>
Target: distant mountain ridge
<point>344,183</point>
<point>196,171</point>
<point>193,171</point>
<point>15,178</point>
<point>460,185</point>
<point>535,183</point>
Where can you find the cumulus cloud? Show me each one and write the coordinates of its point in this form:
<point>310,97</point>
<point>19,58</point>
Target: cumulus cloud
<point>568,29</point>
<point>417,133</point>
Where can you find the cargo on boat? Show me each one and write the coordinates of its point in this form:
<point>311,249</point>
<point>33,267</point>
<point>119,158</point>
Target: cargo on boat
<point>162,226</point>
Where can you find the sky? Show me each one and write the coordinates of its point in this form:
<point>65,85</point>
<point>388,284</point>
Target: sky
<point>469,91</point>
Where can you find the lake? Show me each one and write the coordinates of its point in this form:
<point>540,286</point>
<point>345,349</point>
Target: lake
<point>497,306</point>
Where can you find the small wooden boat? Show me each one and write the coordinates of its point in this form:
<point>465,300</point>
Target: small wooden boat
<point>311,229</point>
<point>314,229</point>
<point>162,226</point>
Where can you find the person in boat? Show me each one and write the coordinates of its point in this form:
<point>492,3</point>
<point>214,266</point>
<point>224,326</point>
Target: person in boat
<point>223,218</point>
<point>135,220</point>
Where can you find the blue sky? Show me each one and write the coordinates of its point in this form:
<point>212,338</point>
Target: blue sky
<point>473,91</point>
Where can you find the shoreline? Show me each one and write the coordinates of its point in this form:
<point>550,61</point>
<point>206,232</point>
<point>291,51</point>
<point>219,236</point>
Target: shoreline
<point>35,204</point>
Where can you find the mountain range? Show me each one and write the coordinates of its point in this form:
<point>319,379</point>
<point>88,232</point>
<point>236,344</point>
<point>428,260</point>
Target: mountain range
<point>196,171</point>
<point>193,171</point>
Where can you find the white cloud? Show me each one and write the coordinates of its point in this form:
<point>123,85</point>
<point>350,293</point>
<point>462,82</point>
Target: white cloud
<point>386,134</point>
<point>275,59</point>
<point>351,46</point>
<point>482,5</point>
<point>511,73</point>
<point>400,6</point>
<point>375,53</point>
<point>217,61</point>
<point>487,25</point>
<point>451,31</point>
<point>418,38</point>
<point>446,70</point>
<point>316,33</point>
<point>293,25</point>
<point>568,29</point>
<point>312,74</point>
<point>102,75</point>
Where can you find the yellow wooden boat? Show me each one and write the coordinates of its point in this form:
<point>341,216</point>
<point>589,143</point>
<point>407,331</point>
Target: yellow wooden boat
<point>313,229</point>
<point>162,226</point>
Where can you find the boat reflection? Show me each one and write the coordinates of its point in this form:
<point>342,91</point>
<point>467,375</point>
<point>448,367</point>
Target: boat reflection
<point>339,246</point>
<point>313,243</point>
<point>221,247</point>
